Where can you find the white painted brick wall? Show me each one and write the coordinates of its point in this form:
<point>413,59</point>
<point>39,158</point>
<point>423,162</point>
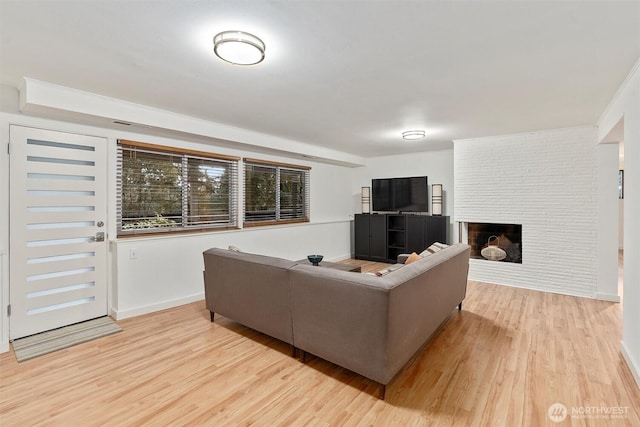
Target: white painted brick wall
<point>546,181</point>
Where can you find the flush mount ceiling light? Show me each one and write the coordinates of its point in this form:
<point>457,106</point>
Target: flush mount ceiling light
<point>238,47</point>
<point>413,134</point>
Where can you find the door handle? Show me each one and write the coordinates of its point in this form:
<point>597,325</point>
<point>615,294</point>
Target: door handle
<point>99,237</point>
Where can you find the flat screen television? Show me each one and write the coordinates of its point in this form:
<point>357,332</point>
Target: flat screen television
<point>400,194</point>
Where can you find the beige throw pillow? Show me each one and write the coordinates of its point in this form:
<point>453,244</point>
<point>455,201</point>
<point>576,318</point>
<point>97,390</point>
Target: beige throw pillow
<point>437,246</point>
<point>413,257</point>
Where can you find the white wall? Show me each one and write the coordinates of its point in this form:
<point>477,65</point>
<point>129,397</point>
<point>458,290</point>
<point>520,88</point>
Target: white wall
<point>546,181</point>
<point>626,105</point>
<point>168,269</point>
<point>436,165</point>
<point>607,245</point>
<point>621,224</point>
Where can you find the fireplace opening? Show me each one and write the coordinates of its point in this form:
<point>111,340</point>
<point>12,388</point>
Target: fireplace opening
<point>507,237</point>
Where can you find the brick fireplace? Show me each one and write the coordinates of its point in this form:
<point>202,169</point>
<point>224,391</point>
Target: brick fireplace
<point>507,236</point>
<point>546,181</point>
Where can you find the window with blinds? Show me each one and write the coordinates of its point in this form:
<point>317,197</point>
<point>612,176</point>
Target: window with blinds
<point>275,193</point>
<point>161,189</point>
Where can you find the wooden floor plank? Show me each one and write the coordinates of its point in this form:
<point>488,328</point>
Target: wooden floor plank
<point>501,361</point>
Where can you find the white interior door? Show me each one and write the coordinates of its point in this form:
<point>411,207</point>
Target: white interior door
<point>57,252</point>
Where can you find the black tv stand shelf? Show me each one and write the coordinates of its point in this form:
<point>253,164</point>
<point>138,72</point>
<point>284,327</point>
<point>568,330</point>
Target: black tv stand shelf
<point>382,237</point>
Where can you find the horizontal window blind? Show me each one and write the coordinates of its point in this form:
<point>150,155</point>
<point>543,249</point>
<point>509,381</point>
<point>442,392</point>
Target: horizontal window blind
<point>168,190</point>
<point>294,193</point>
<point>275,193</point>
<point>260,184</point>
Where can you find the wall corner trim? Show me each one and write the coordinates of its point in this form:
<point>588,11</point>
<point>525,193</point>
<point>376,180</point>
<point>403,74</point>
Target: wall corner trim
<point>633,367</point>
<point>619,91</point>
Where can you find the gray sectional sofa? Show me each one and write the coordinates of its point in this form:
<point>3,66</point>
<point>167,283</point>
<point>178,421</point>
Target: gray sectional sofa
<point>368,324</point>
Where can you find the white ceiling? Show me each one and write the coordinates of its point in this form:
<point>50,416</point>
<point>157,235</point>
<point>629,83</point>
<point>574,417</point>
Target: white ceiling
<point>345,75</point>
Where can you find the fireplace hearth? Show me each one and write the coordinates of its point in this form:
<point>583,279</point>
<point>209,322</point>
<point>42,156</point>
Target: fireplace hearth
<point>506,236</point>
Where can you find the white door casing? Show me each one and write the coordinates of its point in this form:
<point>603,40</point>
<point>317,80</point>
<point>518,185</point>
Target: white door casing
<point>58,259</point>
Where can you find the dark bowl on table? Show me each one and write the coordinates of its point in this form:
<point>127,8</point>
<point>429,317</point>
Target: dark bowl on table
<point>315,259</point>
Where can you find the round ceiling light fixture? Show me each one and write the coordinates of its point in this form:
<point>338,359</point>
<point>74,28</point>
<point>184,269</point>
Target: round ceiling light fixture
<point>238,47</point>
<point>413,134</point>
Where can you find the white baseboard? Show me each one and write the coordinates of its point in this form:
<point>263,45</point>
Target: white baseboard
<point>137,311</point>
<point>608,297</point>
<point>4,347</point>
<point>633,367</point>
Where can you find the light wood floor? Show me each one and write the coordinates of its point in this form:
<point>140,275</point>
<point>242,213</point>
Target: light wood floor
<point>501,361</point>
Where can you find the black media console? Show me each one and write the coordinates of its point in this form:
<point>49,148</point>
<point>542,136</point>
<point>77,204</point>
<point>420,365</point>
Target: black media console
<point>382,237</point>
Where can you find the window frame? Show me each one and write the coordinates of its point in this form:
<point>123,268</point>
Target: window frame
<point>185,155</point>
<point>278,167</point>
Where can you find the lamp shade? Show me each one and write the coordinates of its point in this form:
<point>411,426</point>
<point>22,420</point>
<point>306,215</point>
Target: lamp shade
<point>238,47</point>
<point>436,199</point>
<point>366,200</point>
